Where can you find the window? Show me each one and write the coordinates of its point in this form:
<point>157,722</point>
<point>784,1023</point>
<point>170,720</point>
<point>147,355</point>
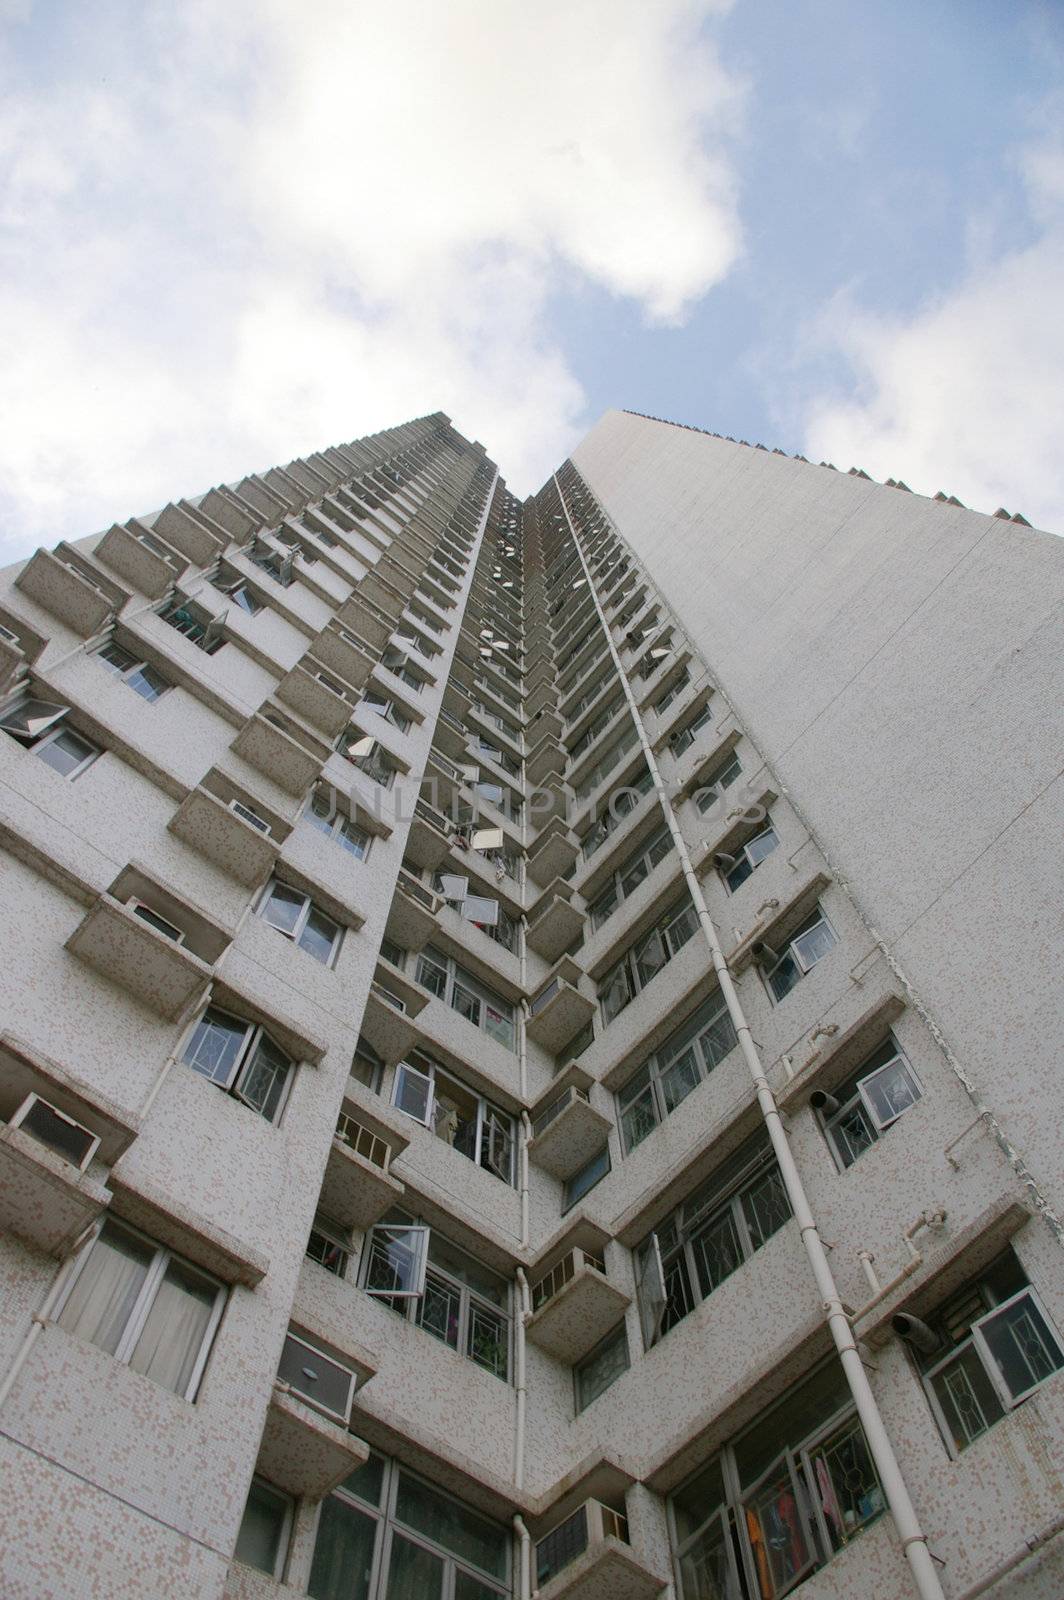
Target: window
<point>783,969</point>
<point>449,982</point>
<point>41,727</point>
<point>869,1102</point>
<point>207,633</point>
<point>241,1058</point>
<point>367,1066</point>
<point>605,765</point>
<point>461,1118</point>
<point>713,1232</point>
<point>396,663</point>
<point>428,1280</point>
<point>329,1245</point>
<point>296,916</point>
<point>601,1368</point>
<point>582,1182</point>
<point>991,1345</point>
<point>678,685</point>
<point>386,1535</point>
<point>684,737</point>
<point>645,959</point>
<point>713,783</point>
<point>621,803</point>
<point>323,813</point>
<point>629,876</point>
<point>370,757</point>
<point>779,1501</point>
<point>749,856</point>
<point>374,700</point>
<point>276,566</point>
<point>264,1532</point>
<point>148,683</point>
<point>239,592</point>
<point>144,1306</point>
<point>665,1081</point>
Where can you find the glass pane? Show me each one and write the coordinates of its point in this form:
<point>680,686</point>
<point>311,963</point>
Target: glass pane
<point>602,1368</point>
<point>852,1133</point>
<point>845,1482</point>
<point>367,1480</point>
<point>343,1553</point>
<point>489,1340</point>
<point>284,908</point>
<point>738,874</point>
<point>112,655</point>
<point>813,944</point>
<point>1021,1345</point>
<point>215,1045</point>
<point>890,1091</point>
<point>679,1078</point>
<point>31,718</point>
<point>968,1399</point>
<point>766,1207</point>
<point>784,977</point>
<point>465,1534</point>
<point>757,849</point>
<point>413,1092</point>
<point>148,683</point>
<point>172,1337</point>
<point>777,1538</point>
<point>258,1543</point>
<point>717,1039</point>
<point>639,1119</point>
<point>634,876</point>
<point>262,1083</point>
<point>707,1568</point>
<point>432,976</point>
<point>499,1024</point>
<point>650,957</point>
<point>466,1587</point>
<point>466,1004</point>
<point>717,1251</point>
<point>396,1258</point>
<point>413,1573</point>
<point>102,1300</point>
<point>440,1310</point>
<point>319,937</point>
<point>65,752</point>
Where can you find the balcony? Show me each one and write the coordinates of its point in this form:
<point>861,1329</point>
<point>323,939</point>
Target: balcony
<point>45,1199</point>
<point>566,1129</point>
<point>553,854</point>
<point>390,1005</point>
<point>363,617</point>
<point>358,1187</point>
<point>304,691</point>
<point>413,913</point>
<point>82,603</point>
<point>141,559</point>
<point>546,759</point>
<point>157,969</point>
<point>273,748</point>
<point>559,1010</point>
<point>429,840</point>
<point>193,534</point>
<point>231,833</point>
<point>588,1557</point>
<point>451,735</point>
<point>307,1448</point>
<point>382,595</point>
<point>574,1304</point>
<point>555,923</point>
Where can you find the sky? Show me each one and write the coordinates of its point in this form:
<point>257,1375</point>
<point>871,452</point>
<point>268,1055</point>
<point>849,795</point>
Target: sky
<point>235,231</point>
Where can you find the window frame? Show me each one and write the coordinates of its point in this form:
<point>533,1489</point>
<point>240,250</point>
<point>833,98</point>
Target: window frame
<point>336,826</point>
<point>284,1538</point>
<point>133,668</point>
<point>57,725</point>
<point>630,965</point>
<point>243,1062</point>
<point>853,1097</point>
<point>457,980</point>
<point>709,790</point>
<point>308,909</point>
<point>744,858</point>
<point>791,953</point>
<point>615,886</point>
<point>617,1335</point>
<point>139,1311</point>
<point>689,1036</point>
<point>488,1117</point>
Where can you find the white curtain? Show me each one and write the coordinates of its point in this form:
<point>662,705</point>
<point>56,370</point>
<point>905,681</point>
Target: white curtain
<point>102,1299</point>
<point>173,1334</point>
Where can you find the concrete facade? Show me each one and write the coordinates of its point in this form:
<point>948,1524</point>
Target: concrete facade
<point>399,1070</point>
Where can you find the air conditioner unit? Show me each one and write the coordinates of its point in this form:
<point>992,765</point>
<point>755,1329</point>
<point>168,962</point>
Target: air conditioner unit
<point>56,1131</point>
<point>248,815</point>
<point>319,1380</point>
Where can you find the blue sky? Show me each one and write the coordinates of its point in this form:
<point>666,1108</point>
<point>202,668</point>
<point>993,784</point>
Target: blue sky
<point>228,236</point>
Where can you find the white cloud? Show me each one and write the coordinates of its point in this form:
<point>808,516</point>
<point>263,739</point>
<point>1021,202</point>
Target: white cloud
<point>966,396</point>
<point>233,231</point>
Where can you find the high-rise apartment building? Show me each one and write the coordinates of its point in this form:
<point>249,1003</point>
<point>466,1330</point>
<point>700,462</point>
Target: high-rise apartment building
<point>530,1060</point>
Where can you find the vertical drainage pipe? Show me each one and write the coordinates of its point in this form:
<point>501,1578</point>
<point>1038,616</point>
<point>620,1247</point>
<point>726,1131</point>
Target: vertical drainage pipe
<point>913,1539</point>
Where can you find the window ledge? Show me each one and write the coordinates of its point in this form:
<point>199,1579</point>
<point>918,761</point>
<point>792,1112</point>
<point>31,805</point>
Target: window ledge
<point>205,822</point>
<point>144,1204</point>
<point>45,1200</point>
<point>303,1452</point>
<point>606,1570</point>
<point>25,1070</point>
<point>776,927</point>
<point>162,975</point>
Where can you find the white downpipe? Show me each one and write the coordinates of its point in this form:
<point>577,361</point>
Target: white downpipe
<point>913,1539</point>
<point>526,1134</point>
<point>522,1388</point>
<point>524,1574</point>
<point>41,1317</point>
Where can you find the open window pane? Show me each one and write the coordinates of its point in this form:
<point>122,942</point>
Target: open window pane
<point>889,1091</point>
<point>966,1397</point>
<point>413,1093</point>
<point>264,1079</point>
<point>775,1527</point>
<point>215,1046</point>
<point>320,937</point>
<point>398,1258</point>
<point>653,1297</point>
<point>283,908</point>
<point>814,943</point>
<point>1021,1346</point>
<point>30,718</point>
<point>66,751</point>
